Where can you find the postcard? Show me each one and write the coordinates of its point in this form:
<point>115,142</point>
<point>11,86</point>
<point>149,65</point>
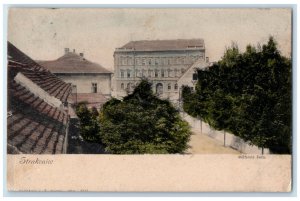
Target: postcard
<point>149,99</point>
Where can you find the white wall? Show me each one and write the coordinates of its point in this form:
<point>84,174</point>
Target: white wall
<point>84,82</point>
<point>230,139</point>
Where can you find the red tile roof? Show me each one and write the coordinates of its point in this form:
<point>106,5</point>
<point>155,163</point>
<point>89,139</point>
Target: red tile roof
<point>20,62</point>
<point>163,45</point>
<point>33,125</point>
<point>73,63</point>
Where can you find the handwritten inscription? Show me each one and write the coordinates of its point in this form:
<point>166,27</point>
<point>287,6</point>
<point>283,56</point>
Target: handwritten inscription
<point>252,157</point>
<point>35,161</point>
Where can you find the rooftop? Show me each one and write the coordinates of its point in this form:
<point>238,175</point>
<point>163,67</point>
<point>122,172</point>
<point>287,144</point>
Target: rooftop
<point>34,124</point>
<point>72,62</point>
<point>20,62</point>
<point>163,45</point>
<point>34,127</point>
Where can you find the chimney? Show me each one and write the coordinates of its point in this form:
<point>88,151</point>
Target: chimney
<point>81,54</point>
<point>73,50</point>
<point>67,50</point>
<point>207,59</point>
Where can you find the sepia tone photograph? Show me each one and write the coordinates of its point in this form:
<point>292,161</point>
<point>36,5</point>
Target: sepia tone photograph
<point>153,82</point>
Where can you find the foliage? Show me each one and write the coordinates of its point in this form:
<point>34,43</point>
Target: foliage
<point>89,126</point>
<point>142,123</point>
<point>248,94</point>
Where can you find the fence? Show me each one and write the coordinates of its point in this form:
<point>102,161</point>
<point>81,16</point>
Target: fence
<point>227,139</point>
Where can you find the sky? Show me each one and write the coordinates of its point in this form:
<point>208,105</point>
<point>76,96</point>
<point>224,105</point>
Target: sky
<point>43,33</point>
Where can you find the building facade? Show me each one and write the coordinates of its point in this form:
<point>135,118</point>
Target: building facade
<point>163,62</point>
<point>90,81</point>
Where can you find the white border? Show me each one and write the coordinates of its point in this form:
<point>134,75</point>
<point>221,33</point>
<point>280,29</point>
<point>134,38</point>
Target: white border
<point>183,3</point>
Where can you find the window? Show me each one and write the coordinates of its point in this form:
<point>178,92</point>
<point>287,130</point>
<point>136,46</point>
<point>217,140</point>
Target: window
<point>169,86</point>
<point>149,73</point>
<point>175,72</point>
<point>123,60</point>
<point>163,73</point>
<point>156,61</point>
<point>122,85</point>
<point>143,61</point>
<point>156,73</point>
<point>165,61</point>
<point>74,88</point>
<point>94,87</point>
<point>119,60</point>
<point>128,85</point>
<point>176,87</point>
<point>130,61</point>
<point>128,73</point>
<point>195,76</point>
<point>182,60</point>
<point>122,73</point>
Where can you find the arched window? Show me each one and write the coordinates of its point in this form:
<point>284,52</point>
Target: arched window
<point>122,85</point>
<point>175,86</point>
<point>159,88</point>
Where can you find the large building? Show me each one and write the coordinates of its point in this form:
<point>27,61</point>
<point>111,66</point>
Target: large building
<point>163,62</point>
<point>90,81</point>
<point>38,112</point>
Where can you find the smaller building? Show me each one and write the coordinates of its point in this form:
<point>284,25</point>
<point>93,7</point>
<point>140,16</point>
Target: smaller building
<point>90,81</point>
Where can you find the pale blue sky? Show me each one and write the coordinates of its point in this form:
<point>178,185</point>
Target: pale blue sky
<point>44,33</point>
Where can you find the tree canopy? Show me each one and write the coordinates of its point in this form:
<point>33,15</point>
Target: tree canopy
<point>247,94</point>
<point>142,123</point>
<point>89,125</point>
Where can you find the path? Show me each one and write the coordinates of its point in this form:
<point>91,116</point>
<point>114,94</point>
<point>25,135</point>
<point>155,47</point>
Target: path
<point>203,144</point>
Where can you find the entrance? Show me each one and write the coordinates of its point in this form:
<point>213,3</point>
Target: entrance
<point>159,89</point>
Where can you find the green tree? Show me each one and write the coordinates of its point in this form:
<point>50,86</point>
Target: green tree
<point>142,123</point>
<point>89,126</point>
<point>248,94</point>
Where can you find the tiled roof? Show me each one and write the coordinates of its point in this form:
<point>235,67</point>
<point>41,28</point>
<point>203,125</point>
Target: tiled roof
<point>19,62</point>
<point>34,125</point>
<point>163,45</point>
<point>73,63</point>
